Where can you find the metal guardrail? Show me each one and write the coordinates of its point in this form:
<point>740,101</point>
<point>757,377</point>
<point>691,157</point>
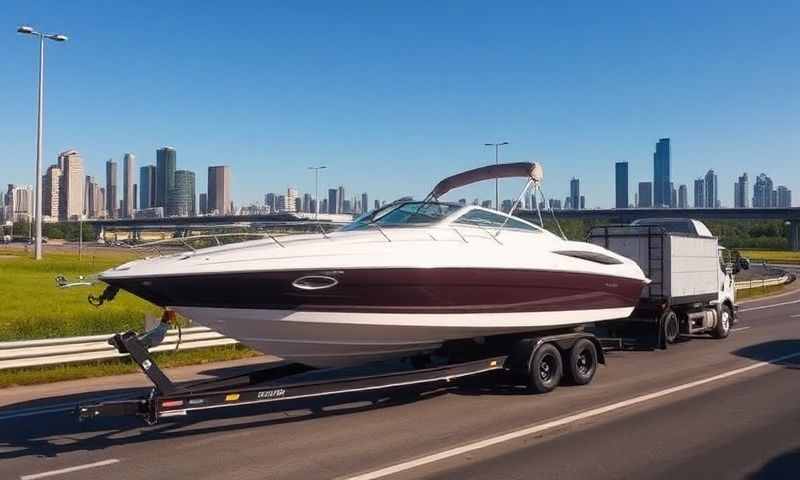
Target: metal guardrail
<point>53,351</point>
<point>762,282</point>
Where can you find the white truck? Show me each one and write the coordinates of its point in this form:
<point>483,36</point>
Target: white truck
<point>692,289</point>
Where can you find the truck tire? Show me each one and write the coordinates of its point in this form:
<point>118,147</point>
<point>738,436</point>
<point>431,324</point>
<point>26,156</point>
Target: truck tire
<point>582,362</point>
<point>545,369</point>
<point>672,328</point>
<point>723,327</point>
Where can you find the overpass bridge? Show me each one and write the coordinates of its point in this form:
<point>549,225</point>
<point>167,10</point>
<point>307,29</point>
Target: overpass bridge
<point>626,215</point>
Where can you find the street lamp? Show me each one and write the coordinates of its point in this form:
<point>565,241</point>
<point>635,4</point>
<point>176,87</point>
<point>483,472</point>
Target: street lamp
<point>38,200</point>
<point>316,189</point>
<point>496,162</point>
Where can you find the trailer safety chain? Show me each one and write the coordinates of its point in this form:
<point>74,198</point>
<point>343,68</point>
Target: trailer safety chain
<point>108,294</point>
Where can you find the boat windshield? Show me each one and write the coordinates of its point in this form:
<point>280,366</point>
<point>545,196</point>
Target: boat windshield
<point>405,214</point>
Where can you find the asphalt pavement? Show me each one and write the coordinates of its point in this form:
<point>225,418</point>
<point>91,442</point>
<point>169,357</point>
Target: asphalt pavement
<point>703,408</point>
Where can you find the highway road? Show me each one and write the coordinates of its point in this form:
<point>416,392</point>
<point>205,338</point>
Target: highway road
<point>703,408</point>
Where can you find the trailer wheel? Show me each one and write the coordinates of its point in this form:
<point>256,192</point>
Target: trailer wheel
<point>545,369</point>
<point>723,326</point>
<point>582,362</point>
<point>672,328</point>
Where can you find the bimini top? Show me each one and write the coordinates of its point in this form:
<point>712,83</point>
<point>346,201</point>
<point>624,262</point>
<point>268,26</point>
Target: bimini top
<point>531,170</point>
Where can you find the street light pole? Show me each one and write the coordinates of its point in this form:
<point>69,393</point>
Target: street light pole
<point>316,189</point>
<point>39,132</point>
<point>496,163</point>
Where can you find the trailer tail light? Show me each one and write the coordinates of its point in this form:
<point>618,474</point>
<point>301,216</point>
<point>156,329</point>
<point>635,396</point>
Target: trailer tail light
<point>231,397</point>
<point>171,403</point>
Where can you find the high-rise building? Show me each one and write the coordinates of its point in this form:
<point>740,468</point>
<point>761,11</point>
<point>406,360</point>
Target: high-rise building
<point>673,197</point>
<point>333,201</point>
<point>364,203</point>
<point>298,205</point>
<point>219,190</point>
<point>182,197</point>
<point>323,205</point>
<point>282,203</point>
<point>700,193</point>
<point>661,174</point>
<point>575,193</point>
<point>583,202</point>
<point>645,195</point>
<point>128,204</point>
<point>740,189</point>
<point>50,191</point>
<point>555,204</point>
<point>203,203</point>
<point>683,197</point>
<point>271,202</point>
<point>712,191</point>
<point>70,189</point>
<point>19,203</point>
<point>784,197</point>
<point>621,184</point>
<point>340,200</point>
<point>166,161</point>
<point>111,188</point>
<point>147,187</point>
<point>308,203</point>
<point>762,192</point>
<point>291,196</point>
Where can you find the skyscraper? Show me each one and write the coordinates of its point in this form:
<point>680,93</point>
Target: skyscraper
<point>575,193</point>
<point>699,193</point>
<point>645,195</point>
<point>166,158</point>
<point>364,203</point>
<point>111,188</point>
<point>271,201</point>
<point>291,196</point>
<point>219,190</point>
<point>333,200</point>
<point>340,200</point>
<point>71,196</point>
<point>51,182</point>
<point>621,176</point>
<point>762,192</point>
<point>307,205</point>
<point>683,197</point>
<point>203,203</point>
<point>182,197</point>
<point>740,188</point>
<point>673,197</point>
<point>661,174</point>
<point>712,197</point>
<point>784,197</point>
<point>128,204</point>
<point>147,187</point>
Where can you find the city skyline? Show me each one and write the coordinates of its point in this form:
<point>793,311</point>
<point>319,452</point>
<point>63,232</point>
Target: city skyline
<point>382,118</point>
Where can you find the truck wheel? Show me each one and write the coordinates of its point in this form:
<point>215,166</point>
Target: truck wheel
<point>582,362</point>
<point>723,326</point>
<point>545,369</point>
<point>672,328</point>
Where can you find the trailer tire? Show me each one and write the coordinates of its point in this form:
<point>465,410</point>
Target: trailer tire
<point>723,327</point>
<point>672,327</point>
<point>582,362</point>
<point>545,370</point>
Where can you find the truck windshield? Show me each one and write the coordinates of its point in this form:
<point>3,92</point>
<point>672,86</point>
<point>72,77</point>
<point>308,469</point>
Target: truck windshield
<point>405,214</point>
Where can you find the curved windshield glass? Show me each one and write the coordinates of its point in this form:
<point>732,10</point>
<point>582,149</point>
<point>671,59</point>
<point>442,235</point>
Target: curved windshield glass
<point>406,214</point>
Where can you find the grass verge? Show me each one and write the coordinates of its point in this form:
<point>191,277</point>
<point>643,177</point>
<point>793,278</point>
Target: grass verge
<point>772,256</point>
<point>73,371</point>
<point>757,292</point>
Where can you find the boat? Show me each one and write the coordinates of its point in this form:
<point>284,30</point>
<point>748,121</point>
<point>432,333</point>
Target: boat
<point>400,281</point>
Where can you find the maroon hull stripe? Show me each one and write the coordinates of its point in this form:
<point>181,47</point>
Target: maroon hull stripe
<point>396,290</point>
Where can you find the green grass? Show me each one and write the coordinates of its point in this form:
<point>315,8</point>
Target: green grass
<point>757,292</point>
<point>33,307</point>
<point>74,371</point>
<point>772,256</point>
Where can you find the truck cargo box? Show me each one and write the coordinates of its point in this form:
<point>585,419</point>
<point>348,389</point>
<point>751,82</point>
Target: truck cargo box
<point>683,267</point>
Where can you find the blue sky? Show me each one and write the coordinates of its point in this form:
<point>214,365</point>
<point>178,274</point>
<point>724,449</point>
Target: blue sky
<point>392,96</point>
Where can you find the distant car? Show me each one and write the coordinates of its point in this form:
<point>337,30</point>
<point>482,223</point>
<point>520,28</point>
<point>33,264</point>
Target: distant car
<point>744,263</point>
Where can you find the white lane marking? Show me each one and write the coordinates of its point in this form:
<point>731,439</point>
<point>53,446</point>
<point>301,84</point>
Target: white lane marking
<point>739,329</point>
<point>768,306</point>
<point>76,468</point>
<point>795,316</point>
<point>534,429</point>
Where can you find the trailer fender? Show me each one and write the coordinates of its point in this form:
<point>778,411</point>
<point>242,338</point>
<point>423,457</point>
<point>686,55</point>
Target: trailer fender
<point>523,350</point>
